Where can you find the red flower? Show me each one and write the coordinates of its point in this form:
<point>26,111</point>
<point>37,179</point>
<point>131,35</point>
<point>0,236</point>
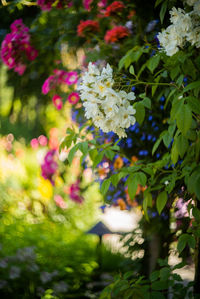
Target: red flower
<point>115,34</point>
<point>86,27</point>
<point>114,8</point>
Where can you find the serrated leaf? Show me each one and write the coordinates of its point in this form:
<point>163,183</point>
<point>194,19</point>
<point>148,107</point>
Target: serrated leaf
<point>140,113</point>
<point>156,145</point>
<point>141,178</point>
<point>194,104</point>
<point>93,153</point>
<point>182,241</point>
<point>154,275</point>
<point>131,70</point>
<point>132,186</point>
<point>146,102</point>
<point>109,154</point>
<point>98,159</point>
<point>84,147</point>
<point>192,85</point>
<point>153,62</point>
<point>115,179</point>
<point>182,145</point>
<point>184,119</point>
<point>105,186</point>
<point>72,153</point>
<point>174,153</point>
<point>197,187</point>
<point>161,201</point>
<point>163,11</point>
<point>167,139</point>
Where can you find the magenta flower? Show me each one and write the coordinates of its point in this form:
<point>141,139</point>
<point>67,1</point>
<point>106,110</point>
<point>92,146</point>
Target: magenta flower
<point>74,192</point>
<point>49,166</point>
<point>16,49</point>
<point>48,84</point>
<point>73,98</point>
<point>72,78</point>
<point>57,101</point>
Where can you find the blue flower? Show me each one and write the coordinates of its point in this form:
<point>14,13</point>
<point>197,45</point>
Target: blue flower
<point>149,137</point>
<point>162,99</point>
<point>133,88</point>
<point>150,117</point>
<point>161,107</point>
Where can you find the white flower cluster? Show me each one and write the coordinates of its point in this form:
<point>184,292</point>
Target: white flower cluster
<point>185,27</point>
<point>109,109</point>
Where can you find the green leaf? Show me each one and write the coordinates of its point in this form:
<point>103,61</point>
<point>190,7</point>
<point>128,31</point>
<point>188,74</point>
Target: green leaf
<point>174,153</point>
<point>192,85</point>
<point>194,104</point>
<point>182,241</point>
<point>132,186</point>
<point>109,154</point>
<point>147,202</point>
<point>153,62</point>
<point>165,273</point>
<point>182,145</point>
<point>163,11</point>
<point>191,241</point>
<point>146,102</point>
<point>140,113</point>
<point>156,145</point>
<point>131,70</point>
<point>154,276</point>
<point>105,186</point>
<point>196,214</point>
<point>197,186</point>
<point>184,119</point>
<point>141,178</point>
<point>98,159</point>
<point>115,179</point>
<point>84,147</point>
<point>93,153</point>
<point>160,285</point>
<point>167,139</point>
<point>161,201</point>
<point>72,153</point>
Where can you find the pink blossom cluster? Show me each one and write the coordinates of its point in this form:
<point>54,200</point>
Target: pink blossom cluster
<point>54,81</point>
<point>16,48</point>
<point>48,4</point>
<point>41,140</point>
<point>49,166</point>
<point>74,192</point>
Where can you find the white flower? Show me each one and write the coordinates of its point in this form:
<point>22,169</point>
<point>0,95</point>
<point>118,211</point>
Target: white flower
<point>184,28</point>
<point>197,8</point>
<point>109,109</point>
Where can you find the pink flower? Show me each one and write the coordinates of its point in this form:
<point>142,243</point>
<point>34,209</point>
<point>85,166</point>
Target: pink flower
<point>73,98</point>
<point>60,202</point>
<point>34,143</point>
<point>20,69</point>
<point>72,78</point>
<point>57,101</point>
<point>42,140</point>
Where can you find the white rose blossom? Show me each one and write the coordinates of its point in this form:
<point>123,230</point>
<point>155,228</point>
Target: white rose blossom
<point>185,27</point>
<point>109,109</point>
